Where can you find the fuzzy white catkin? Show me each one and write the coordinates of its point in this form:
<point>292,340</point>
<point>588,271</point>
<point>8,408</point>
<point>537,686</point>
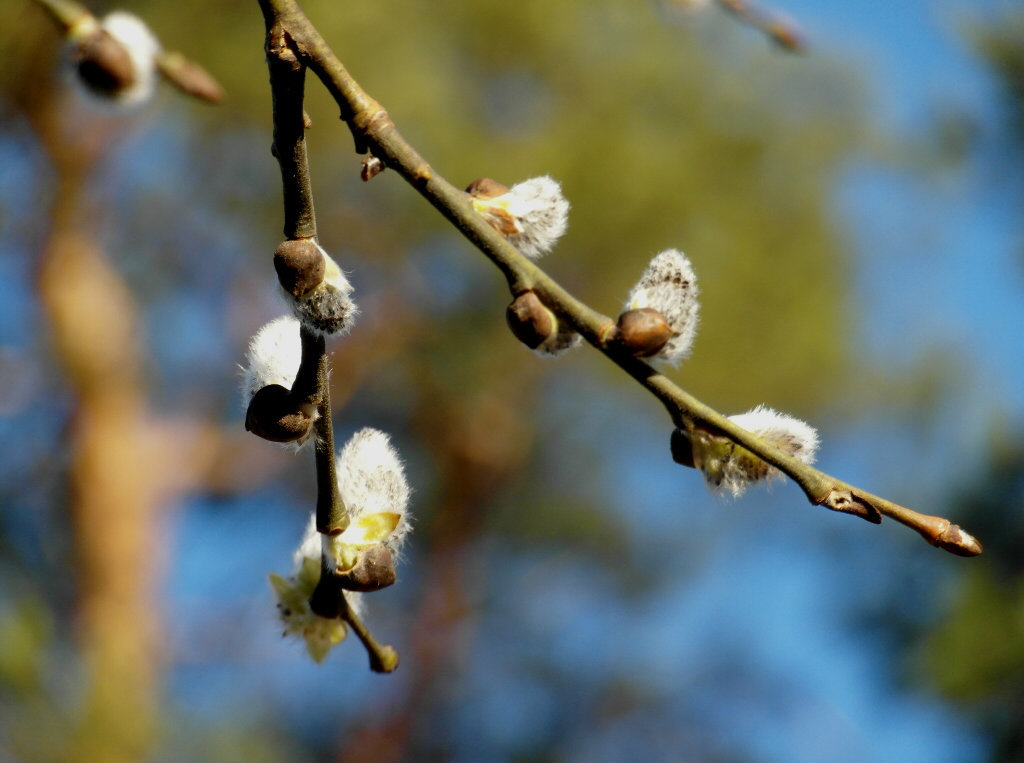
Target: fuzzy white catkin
<point>542,213</point>
<point>536,210</point>
<point>558,344</point>
<point>333,274</point>
<point>273,357</point>
<point>328,308</point>
<point>733,470</point>
<point>371,479</point>
<point>793,436</point>
<point>310,546</point>
<point>142,48</point>
<point>669,286</point>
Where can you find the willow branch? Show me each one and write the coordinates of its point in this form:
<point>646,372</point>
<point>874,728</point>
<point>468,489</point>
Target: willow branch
<point>65,13</point>
<point>376,133</point>
<point>287,85</point>
<point>383,657</point>
<point>780,31</point>
<point>312,381</point>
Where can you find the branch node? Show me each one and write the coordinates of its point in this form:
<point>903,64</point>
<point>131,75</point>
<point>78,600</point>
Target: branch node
<point>373,121</point>
<point>608,332</point>
<point>422,173</point>
<point>280,51</point>
<point>847,502</point>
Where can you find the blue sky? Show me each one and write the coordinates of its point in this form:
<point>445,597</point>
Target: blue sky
<point>938,257</point>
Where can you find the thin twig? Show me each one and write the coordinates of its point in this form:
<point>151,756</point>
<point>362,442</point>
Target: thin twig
<point>383,657</point>
<point>67,14</point>
<point>375,132</point>
<point>312,382</point>
<point>77,22</point>
<point>331,516</point>
<point>287,86</point>
<point>782,32</point>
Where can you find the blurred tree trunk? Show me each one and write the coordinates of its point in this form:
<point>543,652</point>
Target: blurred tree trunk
<point>114,469</point>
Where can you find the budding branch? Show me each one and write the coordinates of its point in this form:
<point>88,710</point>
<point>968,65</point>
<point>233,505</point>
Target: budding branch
<point>294,42</point>
<point>287,83</point>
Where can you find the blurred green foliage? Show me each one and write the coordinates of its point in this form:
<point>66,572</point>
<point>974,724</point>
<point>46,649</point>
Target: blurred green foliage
<point>1003,46</point>
<point>975,653</point>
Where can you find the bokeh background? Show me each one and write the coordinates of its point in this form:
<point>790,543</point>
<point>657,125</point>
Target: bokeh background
<point>571,594</point>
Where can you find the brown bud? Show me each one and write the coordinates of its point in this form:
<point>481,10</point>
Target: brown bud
<point>372,166</point>
<point>374,570</point>
<point>274,415</point>
<point>682,448</point>
<point>642,332</point>
<point>958,542</point>
<point>104,64</point>
<point>486,188</point>
<point>530,321</point>
<point>300,266</point>
<point>189,77</point>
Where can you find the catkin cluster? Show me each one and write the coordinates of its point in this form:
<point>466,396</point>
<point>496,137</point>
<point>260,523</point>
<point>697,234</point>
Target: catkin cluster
<point>281,400</point>
<point>658,322</point>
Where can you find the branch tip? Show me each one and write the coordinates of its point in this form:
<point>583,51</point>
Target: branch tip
<point>383,657</point>
<point>954,540</point>
<point>189,77</point>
